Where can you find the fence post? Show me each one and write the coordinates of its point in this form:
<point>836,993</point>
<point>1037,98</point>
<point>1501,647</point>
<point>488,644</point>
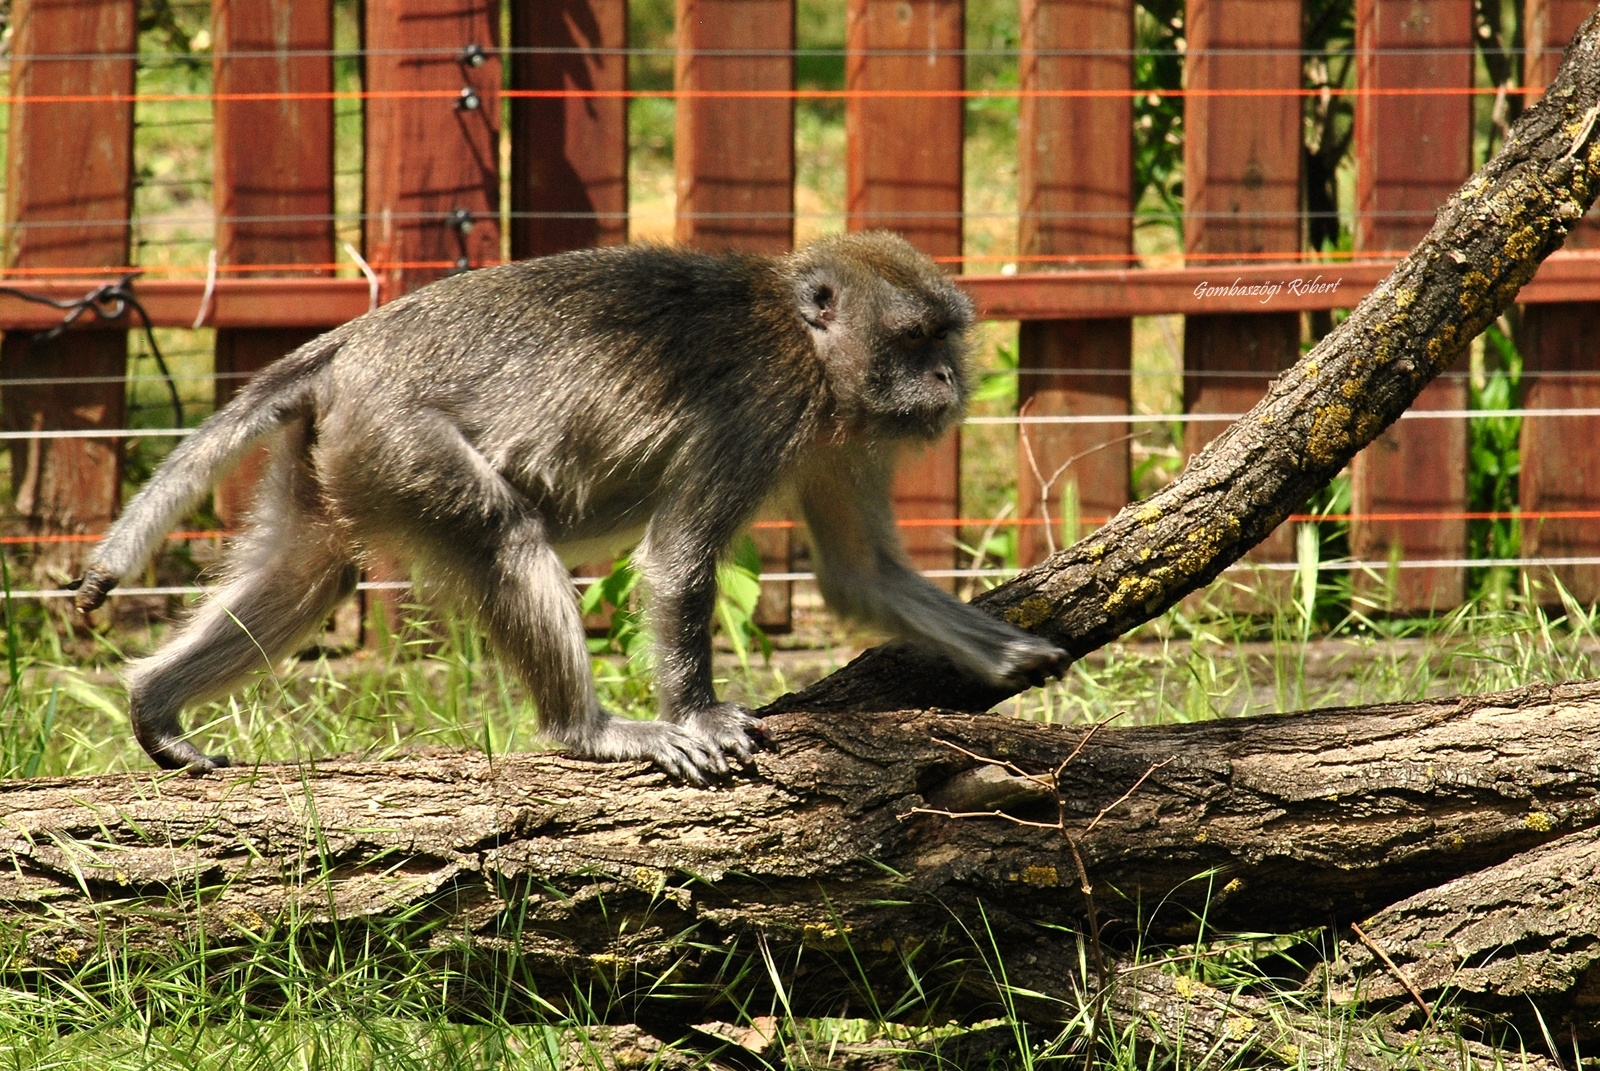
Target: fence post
<point>69,189</point>
<point>273,177</point>
<point>1559,371</point>
<point>903,173</point>
<point>734,160</point>
<point>1242,196</point>
<point>1411,153</point>
<point>432,162</point>
<point>569,156</point>
<point>1075,196</point>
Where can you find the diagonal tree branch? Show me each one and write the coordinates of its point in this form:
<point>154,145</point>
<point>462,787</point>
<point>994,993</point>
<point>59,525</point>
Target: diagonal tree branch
<point>1486,243</point>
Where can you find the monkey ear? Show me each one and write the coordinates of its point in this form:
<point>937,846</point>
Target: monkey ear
<point>819,301</point>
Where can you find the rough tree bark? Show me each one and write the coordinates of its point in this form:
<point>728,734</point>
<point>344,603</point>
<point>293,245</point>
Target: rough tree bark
<point>542,870</point>
<point>1487,241</point>
<point>884,853</point>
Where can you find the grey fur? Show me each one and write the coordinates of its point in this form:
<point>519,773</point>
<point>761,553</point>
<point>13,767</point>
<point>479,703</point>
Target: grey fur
<point>497,426</point>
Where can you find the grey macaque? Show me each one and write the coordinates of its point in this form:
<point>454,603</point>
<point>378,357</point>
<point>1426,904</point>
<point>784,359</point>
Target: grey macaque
<point>495,427</point>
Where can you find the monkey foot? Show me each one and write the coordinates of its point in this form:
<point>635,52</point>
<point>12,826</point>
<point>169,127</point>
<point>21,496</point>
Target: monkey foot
<point>678,751</point>
<point>730,728</point>
<point>176,753</point>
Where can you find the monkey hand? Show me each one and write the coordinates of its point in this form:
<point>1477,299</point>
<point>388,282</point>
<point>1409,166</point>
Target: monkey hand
<point>91,589</point>
<point>679,750</point>
<point>1026,660</point>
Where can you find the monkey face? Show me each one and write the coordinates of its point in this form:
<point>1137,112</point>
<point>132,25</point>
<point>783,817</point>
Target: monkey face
<point>891,330</point>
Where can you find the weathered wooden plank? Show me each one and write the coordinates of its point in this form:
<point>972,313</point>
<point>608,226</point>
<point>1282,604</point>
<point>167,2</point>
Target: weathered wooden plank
<point>1075,196</point>
<point>904,173</point>
<point>69,188</point>
<point>569,158</point>
<point>1412,151</point>
<point>1242,196</point>
<point>1560,370</point>
<point>734,160</point>
<point>273,177</point>
<point>432,165</point>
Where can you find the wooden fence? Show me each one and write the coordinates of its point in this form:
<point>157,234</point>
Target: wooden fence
<point>433,83</point>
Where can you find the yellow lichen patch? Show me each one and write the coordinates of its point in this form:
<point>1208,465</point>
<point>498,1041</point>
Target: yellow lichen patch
<point>1096,551</point>
<point>1144,554</point>
<point>1350,388</point>
<point>1232,887</point>
<point>1132,589</point>
<point>1539,822</point>
<point>1030,612</point>
<point>1043,877</point>
<point>1239,1027</point>
<point>1188,988</point>
<point>886,945</point>
<point>1521,244</point>
<point>1330,434</point>
<point>1312,369</point>
<point>1147,514</point>
<point>650,879</point>
<point>1403,298</point>
<point>827,938</point>
<point>1367,427</point>
<point>1201,837</point>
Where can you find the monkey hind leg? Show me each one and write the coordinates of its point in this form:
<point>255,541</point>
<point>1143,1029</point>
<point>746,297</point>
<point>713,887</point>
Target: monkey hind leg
<point>287,579</point>
<point>513,579</point>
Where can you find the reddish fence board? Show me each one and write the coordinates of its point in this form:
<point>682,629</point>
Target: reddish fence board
<point>69,185</point>
<point>1242,195</point>
<point>1560,370</point>
<point>735,156</point>
<point>428,159</point>
<point>273,176</point>
<point>735,168</point>
<point>1075,177</point>
<point>1411,153</point>
<point>904,173</point>
<point>569,158</point>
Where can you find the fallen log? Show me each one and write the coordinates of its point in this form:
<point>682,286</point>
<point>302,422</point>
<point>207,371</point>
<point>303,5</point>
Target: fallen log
<point>865,856</point>
<point>1508,939</point>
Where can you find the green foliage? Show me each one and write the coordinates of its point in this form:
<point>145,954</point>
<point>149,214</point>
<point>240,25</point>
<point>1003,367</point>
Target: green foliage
<point>1495,449</point>
<point>1157,116</point>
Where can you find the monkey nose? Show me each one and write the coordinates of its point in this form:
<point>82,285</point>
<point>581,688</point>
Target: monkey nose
<point>943,374</point>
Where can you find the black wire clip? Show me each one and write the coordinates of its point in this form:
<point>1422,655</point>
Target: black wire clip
<point>460,221</point>
<point>108,302</point>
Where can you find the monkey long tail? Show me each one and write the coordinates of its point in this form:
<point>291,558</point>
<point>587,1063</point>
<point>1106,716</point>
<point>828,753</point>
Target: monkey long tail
<point>278,394</point>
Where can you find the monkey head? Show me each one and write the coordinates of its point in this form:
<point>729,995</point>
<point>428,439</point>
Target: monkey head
<point>891,330</point>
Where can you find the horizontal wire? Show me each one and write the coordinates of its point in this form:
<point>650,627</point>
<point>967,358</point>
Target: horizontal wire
<point>1378,517</point>
<point>1050,373</point>
<point>904,93</point>
<point>1062,418</point>
<point>742,53</point>
<point>1204,418</point>
<point>1375,567</point>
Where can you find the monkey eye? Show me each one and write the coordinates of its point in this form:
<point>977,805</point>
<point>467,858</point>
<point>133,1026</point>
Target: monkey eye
<point>942,333</point>
<point>915,332</point>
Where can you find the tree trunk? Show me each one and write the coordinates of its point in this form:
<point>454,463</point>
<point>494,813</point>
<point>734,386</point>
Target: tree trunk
<point>1487,241</point>
<point>863,849</point>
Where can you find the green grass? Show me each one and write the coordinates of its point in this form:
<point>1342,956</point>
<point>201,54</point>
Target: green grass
<point>292,1002</point>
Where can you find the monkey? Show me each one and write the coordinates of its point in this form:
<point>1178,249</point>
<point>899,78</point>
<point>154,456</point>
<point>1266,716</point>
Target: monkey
<point>496,427</point>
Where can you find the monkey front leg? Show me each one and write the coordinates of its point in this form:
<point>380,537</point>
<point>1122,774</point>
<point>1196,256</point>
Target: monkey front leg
<point>681,573</point>
<point>863,572</point>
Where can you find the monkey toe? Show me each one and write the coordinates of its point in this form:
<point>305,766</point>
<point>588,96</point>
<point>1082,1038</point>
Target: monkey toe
<point>728,728</point>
